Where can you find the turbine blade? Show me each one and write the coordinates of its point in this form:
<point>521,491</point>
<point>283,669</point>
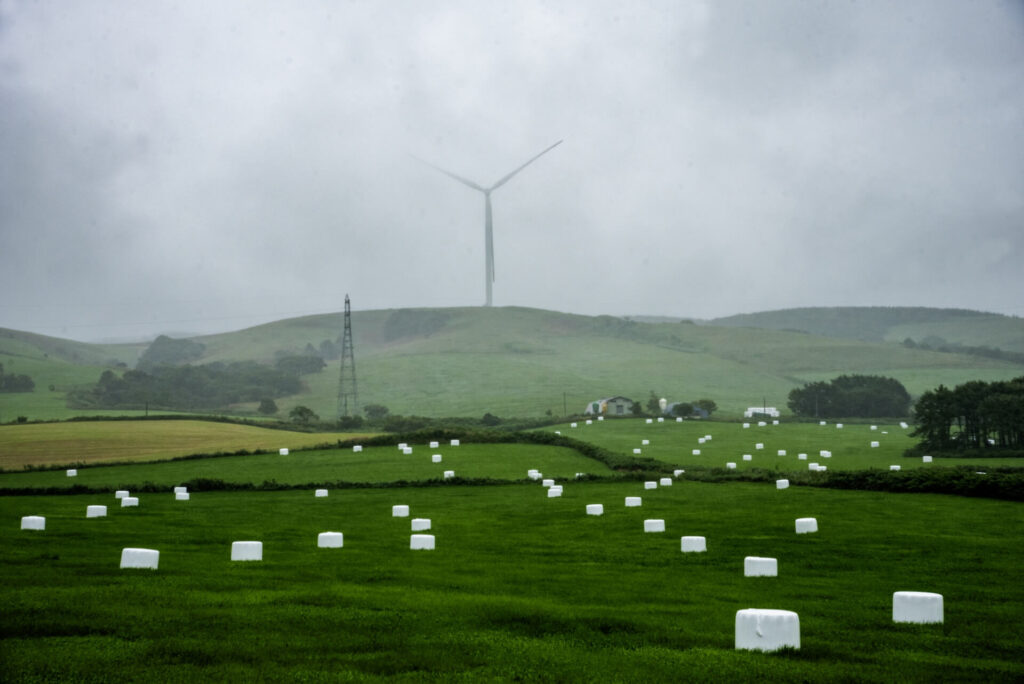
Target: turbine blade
<point>489,239</point>
<point>464,181</point>
<point>507,178</point>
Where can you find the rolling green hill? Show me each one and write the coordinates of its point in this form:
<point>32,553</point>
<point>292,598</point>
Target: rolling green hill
<point>891,324</point>
<point>516,361</point>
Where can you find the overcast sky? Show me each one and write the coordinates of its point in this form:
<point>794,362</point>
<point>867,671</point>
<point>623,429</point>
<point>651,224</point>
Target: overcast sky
<point>202,166</point>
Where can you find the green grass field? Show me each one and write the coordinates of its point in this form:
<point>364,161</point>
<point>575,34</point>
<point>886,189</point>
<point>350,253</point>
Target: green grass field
<point>373,464</point>
<point>520,587</point>
<point>107,441</point>
<point>850,446</point>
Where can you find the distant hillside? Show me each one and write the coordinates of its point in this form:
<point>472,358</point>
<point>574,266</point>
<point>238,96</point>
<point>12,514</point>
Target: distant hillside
<point>892,324</point>
<point>521,362</point>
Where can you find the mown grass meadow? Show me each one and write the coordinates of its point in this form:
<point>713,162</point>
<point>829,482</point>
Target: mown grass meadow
<point>520,586</point>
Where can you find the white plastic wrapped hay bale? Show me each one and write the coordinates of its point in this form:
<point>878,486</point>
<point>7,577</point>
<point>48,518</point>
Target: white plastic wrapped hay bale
<point>421,542</point>
<point>782,452</point>
<point>420,524</point>
<point>693,544</point>
<point>247,551</point>
<point>765,629</point>
<point>874,445</point>
<point>595,509</point>
<point>143,559</point>
<point>748,457</point>
<point>407,451</point>
<point>677,472</point>
<point>121,493</point>
<point>33,522</point>
<point>874,427</point>
<point>661,420</point>
<point>600,418</point>
<point>654,525</point>
<point>434,445</point>
<point>645,442</point>
<point>558,432</point>
<point>650,484</point>
<point>823,423</point>
<point>759,446</point>
<point>801,457</point>
<point>554,492</point>
<point>649,421</point>
<point>707,438</point>
<point>926,459</point>
<point>746,425</point>
<point>358,448</point>
<point>536,475</point>
<point>665,481</point>
<point>580,476</point>
<point>572,425</point>
<point>320,494</point>
<point>533,473</point>
<point>129,502</point>
<point>72,472</point>
<point>903,425</point>
<point>695,452</point>
<point>730,465</point>
<point>282,452</point>
<point>700,440</point>
<point>775,422</point>
<point>679,420</point>
<point>590,422</point>
<point>921,607</point>
<point>180,490</point>
<point>822,469</point>
<point>825,453</point>
<point>806,525</point>
<point>436,458</point>
<point>449,474</point>
<point>547,482</point>
<point>633,501</point>
<point>95,511</point>
<point>782,484</point>
<point>182,496</point>
<point>330,540</point>
<point>839,426</point>
<point>402,446</point>
<point>755,566</point>
<point>761,423</point>
<point>894,468</point>
<point>400,511</point>
<point>636,451</point>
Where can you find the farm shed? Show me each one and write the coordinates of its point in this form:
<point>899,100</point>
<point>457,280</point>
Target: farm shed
<point>770,411</point>
<point>610,406</point>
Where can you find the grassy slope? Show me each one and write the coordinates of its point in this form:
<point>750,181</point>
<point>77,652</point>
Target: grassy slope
<point>515,361</point>
<point>892,324</point>
<point>98,442</point>
<point>520,587</point>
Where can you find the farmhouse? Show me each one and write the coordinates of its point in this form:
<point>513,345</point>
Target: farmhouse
<point>610,406</point>
<point>763,410</point>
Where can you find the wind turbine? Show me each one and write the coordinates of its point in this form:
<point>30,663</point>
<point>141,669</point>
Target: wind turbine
<point>488,223</point>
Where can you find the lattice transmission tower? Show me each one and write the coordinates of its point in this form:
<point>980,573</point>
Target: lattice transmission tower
<point>348,397</point>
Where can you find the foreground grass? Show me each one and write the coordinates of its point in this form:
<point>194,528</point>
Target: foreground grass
<point>374,464</point>
<point>520,587</point>
<point>850,446</point>
<point>115,441</point>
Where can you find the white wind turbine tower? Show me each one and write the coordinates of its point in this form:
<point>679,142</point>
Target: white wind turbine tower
<point>488,224</point>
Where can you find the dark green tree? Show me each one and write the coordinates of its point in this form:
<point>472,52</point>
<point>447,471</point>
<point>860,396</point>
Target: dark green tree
<point>375,411</point>
<point>303,415</point>
<point>708,405</point>
<point>683,410</point>
<point>268,407</point>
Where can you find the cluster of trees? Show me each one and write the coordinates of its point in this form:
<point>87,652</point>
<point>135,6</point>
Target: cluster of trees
<point>15,383</point>
<point>213,385</point>
<point>851,396</point>
<point>168,351</point>
<point>974,415</point>
<point>682,409</point>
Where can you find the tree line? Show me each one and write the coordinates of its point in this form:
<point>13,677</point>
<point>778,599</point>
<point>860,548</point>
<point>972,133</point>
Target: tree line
<point>974,415</point>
